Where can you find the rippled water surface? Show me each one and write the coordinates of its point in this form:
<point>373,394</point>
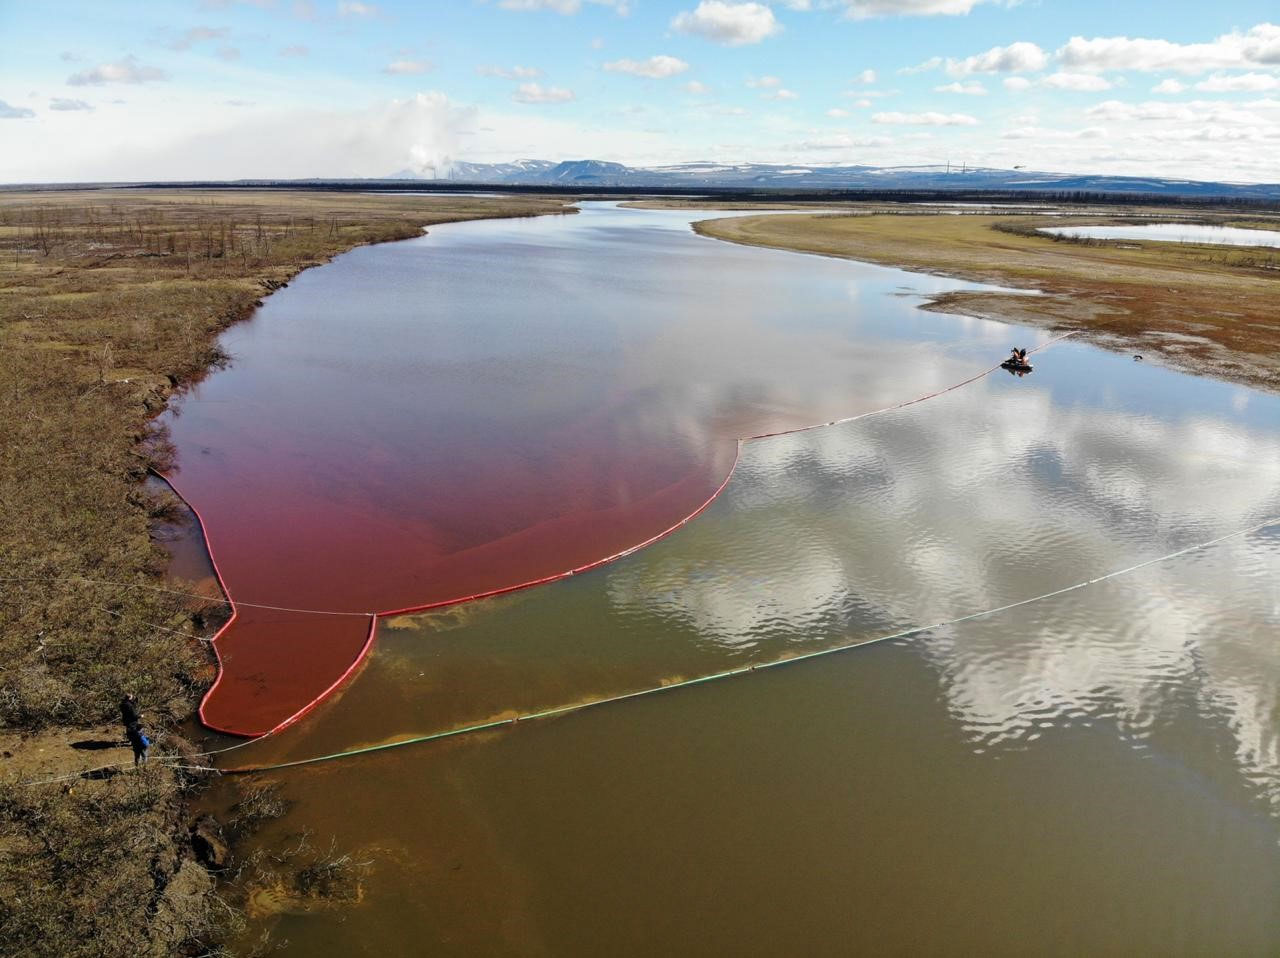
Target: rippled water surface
<point>1173,233</point>
<point>1094,773</point>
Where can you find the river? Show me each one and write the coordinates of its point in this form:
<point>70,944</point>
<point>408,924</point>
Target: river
<point>1097,772</point>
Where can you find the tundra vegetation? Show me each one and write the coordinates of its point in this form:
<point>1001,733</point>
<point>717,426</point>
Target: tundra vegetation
<point>110,302</point>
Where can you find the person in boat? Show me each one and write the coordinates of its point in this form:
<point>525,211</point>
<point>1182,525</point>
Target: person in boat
<point>1018,357</point>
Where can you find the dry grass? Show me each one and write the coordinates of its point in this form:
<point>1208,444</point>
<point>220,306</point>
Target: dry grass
<point>1206,309</point>
<point>110,301</point>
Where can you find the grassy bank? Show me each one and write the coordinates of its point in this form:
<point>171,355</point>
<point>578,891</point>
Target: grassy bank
<point>109,302</point>
<point>1205,309</point>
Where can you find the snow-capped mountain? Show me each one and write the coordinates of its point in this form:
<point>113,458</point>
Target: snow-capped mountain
<point>597,173</point>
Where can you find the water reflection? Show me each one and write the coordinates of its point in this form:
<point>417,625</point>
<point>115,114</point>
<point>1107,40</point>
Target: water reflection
<point>982,498</point>
<point>1173,233</point>
<point>501,401</point>
<point>1096,773</point>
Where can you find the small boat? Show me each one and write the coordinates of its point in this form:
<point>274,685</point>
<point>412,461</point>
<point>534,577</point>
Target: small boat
<point>1016,367</point>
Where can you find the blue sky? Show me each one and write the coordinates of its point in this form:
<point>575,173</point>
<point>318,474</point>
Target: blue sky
<point>229,88</point>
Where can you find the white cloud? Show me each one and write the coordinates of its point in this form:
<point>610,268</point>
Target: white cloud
<point>837,112</point>
<point>406,67</point>
<point>1020,57</point>
<point>838,141</point>
<point>516,72</point>
<point>1169,85</point>
<point>354,8</point>
<point>868,94</point>
<point>8,112</point>
<point>228,142</point>
<point>925,119</point>
<point>1259,46</point>
<point>861,9</point>
<point>1249,82</point>
<point>780,94</point>
<point>731,24</point>
<point>972,88</point>
<point>765,82</point>
<point>564,7</point>
<point>930,64</point>
<point>695,88</point>
<point>559,6</point>
<point>1016,84</point>
<point>1088,82</point>
<point>125,70</point>
<point>866,76</point>
<point>188,39</point>
<point>62,103</point>
<point>1116,110</point>
<point>536,93</point>
<point>656,67</point>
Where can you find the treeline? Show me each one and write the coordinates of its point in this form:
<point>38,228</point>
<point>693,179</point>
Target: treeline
<point>1264,199</point>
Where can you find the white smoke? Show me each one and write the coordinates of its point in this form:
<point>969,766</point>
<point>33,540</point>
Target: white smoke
<point>421,133</point>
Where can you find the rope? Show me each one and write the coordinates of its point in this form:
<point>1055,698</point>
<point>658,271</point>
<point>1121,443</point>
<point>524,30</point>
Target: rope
<point>83,580</point>
<point>901,405</point>
<point>153,625</point>
<point>596,563</point>
<point>122,767</point>
<point>745,669</point>
<point>193,595</point>
<point>458,600</point>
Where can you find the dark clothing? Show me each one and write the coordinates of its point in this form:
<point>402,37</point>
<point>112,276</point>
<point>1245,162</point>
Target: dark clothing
<point>129,714</point>
<point>139,742</point>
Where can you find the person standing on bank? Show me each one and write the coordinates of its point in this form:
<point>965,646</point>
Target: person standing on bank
<point>132,720</point>
<point>129,713</point>
<point>139,742</point>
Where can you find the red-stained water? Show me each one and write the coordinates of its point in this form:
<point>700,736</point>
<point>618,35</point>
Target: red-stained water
<point>495,403</point>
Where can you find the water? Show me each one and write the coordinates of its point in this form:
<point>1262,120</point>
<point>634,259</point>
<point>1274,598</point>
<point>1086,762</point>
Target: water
<point>1172,233</point>
<point>1095,773</point>
<point>486,406</point>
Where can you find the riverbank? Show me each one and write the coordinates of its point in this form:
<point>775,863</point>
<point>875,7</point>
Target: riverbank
<point>110,302</point>
<point>1202,309</point>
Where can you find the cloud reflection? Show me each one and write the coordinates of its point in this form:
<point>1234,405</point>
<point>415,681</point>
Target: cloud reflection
<point>996,494</point>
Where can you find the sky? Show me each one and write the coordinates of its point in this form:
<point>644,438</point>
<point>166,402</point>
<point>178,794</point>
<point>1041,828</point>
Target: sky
<point>226,89</point>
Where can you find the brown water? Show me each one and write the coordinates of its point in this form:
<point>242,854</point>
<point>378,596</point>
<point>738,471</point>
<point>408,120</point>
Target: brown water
<point>1095,773</point>
<point>489,405</point>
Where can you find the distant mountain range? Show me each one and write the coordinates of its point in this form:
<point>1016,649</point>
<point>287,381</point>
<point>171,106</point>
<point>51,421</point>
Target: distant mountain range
<point>597,173</point>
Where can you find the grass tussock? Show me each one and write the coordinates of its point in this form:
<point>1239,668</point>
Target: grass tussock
<point>109,302</point>
<point>94,869</point>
